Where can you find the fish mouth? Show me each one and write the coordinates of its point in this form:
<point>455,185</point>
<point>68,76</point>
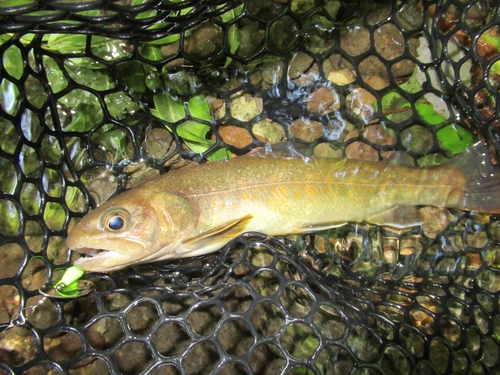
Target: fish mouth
<point>101,260</point>
<point>92,258</point>
<point>91,252</point>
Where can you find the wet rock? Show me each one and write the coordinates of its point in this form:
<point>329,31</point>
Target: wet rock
<point>372,66</point>
<point>219,107</point>
<point>104,333</point>
<point>359,103</point>
<point>62,346</point>
<point>308,78</point>
<point>323,100</point>
<point>477,239</point>
<point>9,300</point>
<point>417,138</point>
<point>361,151</point>
<point>204,41</point>
<point>246,107</point>
<point>410,15</point>
<point>101,183</point>
<point>268,131</point>
<point>284,35</point>
<point>272,73</point>
<point>142,318</point>
<point>376,82</point>
<point>326,150</point>
<point>336,128</point>
<point>430,160</point>
<point>318,34</point>
<point>435,220</point>
<point>355,39</point>
<point>35,274</point>
<point>494,229</point>
<point>380,135</point>
<point>300,63</point>
<point>374,12</point>
<point>158,143</point>
<point>252,38</point>
<point>17,346</point>
<point>405,68</point>
<point>235,136</point>
<point>89,365</point>
<point>266,9</point>
<point>342,77</point>
<point>306,130</point>
<point>11,258</point>
<point>389,41</point>
<point>170,49</point>
<point>401,158</point>
<point>132,358</point>
<point>140,172</point>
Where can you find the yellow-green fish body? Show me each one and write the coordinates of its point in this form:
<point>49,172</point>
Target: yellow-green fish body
<point>198,210</point>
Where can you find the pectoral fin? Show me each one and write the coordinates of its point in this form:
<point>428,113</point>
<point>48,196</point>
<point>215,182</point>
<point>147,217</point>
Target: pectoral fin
<point>218,236</point>
<point>397,217</point>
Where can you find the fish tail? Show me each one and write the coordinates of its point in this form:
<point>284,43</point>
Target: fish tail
<point>481,189</point>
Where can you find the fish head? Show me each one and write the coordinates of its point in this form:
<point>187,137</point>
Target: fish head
<point>137,226</point>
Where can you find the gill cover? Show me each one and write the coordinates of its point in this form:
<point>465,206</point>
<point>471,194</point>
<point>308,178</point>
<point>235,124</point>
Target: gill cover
<point>131,228</point>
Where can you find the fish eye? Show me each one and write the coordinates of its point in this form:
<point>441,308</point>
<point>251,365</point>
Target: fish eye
<point>114,222</point>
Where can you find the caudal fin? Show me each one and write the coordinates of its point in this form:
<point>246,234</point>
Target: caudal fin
<point>482,179</point>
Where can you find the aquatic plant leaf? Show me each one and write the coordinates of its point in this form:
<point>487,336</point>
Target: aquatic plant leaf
<point>231,14</point>
<point>393,98</point>
<point>198,107</point>
<point>90,73</point>
<point>493,40</point>
<point>495,70</point>
<point>9,99</point>
<point>234,33</point>
<point>455,138</point>
<point>66,43</point>
<point>13,62</point>
<point>87,111</point>
<point>428,114</point>
<point>194,134</point>
<point>55,76</point>
<point>147,14</point>
<point>168,107</point>
<point>15,3</point>
<point>194,131</point>
<point>113,141</point>
<point>412,86</point>
<point>120,105</point>
<point>152,53</point>
<point>166,40</point>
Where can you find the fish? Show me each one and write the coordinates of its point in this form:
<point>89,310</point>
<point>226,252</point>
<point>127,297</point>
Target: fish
<point>197,210</point>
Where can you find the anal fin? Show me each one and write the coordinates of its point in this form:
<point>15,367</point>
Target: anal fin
<point>397,217</point>
<point>319,227</point>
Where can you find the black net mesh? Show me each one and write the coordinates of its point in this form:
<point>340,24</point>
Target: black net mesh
<point>99,95</point>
